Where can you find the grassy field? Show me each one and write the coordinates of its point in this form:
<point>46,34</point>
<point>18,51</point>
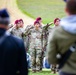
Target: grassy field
<point>47,9</point>
<point>44,72</point>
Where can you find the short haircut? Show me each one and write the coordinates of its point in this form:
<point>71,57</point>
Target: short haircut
<point>71,6</point>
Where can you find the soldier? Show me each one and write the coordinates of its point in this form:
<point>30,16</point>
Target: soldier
<point>39,19</point>
<point>27,36</point>
<point>21,23</point>
<point>35,46</point>
<point>22,27</point>
<point>17,31</point>
<point>56,24</point>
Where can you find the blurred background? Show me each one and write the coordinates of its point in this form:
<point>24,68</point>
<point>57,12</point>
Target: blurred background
<point>28,10</point>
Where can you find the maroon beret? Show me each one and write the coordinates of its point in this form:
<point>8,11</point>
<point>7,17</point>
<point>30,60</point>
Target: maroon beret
<point>16,22</point>
<point>56,20</point>
<point>36,22</point>
<point>39,18</point>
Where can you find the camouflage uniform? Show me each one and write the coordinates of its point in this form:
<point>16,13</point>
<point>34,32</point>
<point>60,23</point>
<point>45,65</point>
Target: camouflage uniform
<point>35,47</point>
<point>45,34</point>
<point>17,32</point>
<point>27,36</point>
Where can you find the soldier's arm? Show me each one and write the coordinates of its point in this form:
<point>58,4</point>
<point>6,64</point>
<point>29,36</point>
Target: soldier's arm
<point>43,40</point>
<point>27,32</point>
<point>11,31</point>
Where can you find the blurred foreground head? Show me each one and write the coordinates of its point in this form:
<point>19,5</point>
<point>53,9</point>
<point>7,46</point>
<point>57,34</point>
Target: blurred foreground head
<point>70,7</point>
<point>4,18</point>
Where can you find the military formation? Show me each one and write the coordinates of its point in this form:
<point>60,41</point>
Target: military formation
<point>35,38</point>
<point>56,46</point>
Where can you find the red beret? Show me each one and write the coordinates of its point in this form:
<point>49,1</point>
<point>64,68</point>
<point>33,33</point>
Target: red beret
<point>56,20</point>
<point>36,22</point>
<point>16,22</point>
<point>39,18</point>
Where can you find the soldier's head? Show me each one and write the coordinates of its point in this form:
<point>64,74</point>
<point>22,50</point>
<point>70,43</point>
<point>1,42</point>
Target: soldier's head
<point>21,23</point>
<point>70,7</point>
<point>17,23</point>
<point>56,21</point>
<point>39,19</point>
<point>36,24</point>
<point>4,19</point>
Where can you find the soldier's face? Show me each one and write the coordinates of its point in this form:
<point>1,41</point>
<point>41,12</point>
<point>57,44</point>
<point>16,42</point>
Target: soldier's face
<point>57,23</point>
<point>40,21</point>
<point>37,25</point>
<point>18,25</point>
<point>21,24</point>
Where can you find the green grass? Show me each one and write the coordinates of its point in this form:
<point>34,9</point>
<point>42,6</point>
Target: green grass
<point>44,72</point>
<point>47,9</point>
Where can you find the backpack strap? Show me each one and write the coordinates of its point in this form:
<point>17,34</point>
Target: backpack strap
<point>64,57</point>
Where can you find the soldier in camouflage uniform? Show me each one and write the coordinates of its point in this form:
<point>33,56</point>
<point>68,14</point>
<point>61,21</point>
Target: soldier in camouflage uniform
<point>21,23</point>
<point>54,67</point>
<point>35,46</point>
<point>17,31</point>
<point>22,27</point>
<point>27,36</point>
<point>39,19</point>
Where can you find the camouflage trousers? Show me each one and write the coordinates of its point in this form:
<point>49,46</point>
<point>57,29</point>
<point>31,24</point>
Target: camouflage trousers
<point>54,68</point>
<point>36,55</point>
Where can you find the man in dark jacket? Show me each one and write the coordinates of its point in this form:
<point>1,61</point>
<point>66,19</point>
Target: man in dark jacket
<point>12,50</point>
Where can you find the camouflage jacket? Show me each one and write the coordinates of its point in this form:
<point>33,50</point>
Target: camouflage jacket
<point>35,37</point>
<point>45,33</point>
<point>17,32</point>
